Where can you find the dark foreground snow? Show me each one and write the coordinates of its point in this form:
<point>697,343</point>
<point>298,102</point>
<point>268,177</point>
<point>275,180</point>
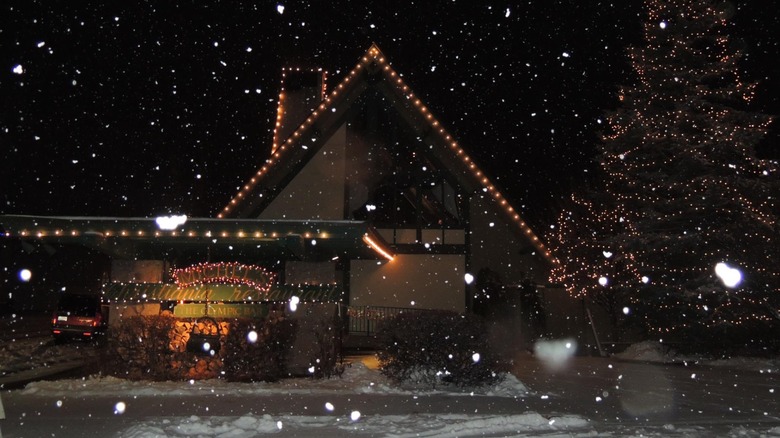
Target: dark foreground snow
<point>582,397</point>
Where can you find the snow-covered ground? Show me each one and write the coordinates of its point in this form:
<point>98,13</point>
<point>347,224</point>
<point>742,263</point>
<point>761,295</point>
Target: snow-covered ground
<point>41,352</point>
<point>655,352</point>
<point>360,403</point>
<point>331,418</point>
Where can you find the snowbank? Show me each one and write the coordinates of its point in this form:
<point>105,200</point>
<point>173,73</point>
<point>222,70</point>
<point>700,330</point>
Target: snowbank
<point>653,351</point>
<point>356,379</point>
<point>419,425</point>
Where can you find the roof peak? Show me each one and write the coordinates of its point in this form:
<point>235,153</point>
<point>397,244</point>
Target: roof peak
<point>371,71</point>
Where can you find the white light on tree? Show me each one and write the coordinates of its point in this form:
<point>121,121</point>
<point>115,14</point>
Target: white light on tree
<point>645,279</point>
<point>603,281</point>
<point>251,336</point>
<point>626,311</point>
<point>475,357</point>
<point>25,275</point>
<point>468,278</point>
<point>731,277</point>
<point>607,254</point>
<point>170,222</point>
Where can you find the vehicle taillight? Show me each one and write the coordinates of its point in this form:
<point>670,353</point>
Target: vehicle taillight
<point>98,319</point>
<point>54,318</point>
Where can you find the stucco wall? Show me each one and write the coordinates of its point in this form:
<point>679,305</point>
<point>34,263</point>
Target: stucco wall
<point>138,271</point>
<point>118,311</point>
<point>317,191</point>
<point>426,281</point>
<point>496,246</point>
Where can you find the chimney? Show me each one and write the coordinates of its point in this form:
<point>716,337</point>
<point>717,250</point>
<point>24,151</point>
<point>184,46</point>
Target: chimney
<point>302,91</point>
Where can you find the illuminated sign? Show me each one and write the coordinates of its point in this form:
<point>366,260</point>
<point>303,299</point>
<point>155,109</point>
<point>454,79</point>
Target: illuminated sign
<point>221,310</point>
<point>227,293</point>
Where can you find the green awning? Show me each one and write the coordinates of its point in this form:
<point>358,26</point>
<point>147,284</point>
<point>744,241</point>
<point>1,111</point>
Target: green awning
<point>226,293</point>
<point>245,240</point>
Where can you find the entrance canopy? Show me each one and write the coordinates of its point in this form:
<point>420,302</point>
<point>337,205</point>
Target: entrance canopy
<point>225,293</point>
<point>207,238</point>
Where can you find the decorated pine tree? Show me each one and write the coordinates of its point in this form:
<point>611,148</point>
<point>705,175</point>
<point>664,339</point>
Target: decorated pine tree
<point>681,234</point>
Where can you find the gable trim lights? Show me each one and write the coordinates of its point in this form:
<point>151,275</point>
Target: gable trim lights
<point>374,57</point>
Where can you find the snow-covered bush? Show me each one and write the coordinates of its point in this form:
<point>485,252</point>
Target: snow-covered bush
<point>438,347</point>
<point>257,349</point>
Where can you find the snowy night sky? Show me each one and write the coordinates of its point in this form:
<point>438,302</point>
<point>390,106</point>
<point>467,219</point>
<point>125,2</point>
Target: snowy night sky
<point>139,108</point>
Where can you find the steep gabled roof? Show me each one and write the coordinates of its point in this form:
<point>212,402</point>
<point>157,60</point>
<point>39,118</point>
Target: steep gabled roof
<point>371,71</point>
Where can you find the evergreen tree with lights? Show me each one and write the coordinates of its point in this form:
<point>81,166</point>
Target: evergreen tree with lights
<point>682,192</point>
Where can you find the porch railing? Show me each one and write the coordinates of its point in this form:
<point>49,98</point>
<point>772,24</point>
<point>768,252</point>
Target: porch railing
<point>364,320</point>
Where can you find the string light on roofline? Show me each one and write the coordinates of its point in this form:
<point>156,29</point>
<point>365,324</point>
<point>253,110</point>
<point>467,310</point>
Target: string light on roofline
<point>446,137</point>
<point>183,233</point>
<point>393,78</point>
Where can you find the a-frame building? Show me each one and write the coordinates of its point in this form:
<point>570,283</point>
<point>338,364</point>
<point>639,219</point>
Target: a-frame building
<point>366,202</point>
<point>370,150</point>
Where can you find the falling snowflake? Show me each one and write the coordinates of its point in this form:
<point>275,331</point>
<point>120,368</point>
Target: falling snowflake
<point>25,275</point>
<point>730,277</point>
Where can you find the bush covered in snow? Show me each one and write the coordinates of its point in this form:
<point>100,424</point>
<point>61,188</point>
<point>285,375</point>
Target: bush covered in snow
<point>257,349</point>
<point>438,347</point>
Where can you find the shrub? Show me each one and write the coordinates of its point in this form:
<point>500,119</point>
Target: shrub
<point>326,333</point>
<point>153,347</point>
<point>435,347</point>
<point>138,347</point>
<point>261,355</point>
